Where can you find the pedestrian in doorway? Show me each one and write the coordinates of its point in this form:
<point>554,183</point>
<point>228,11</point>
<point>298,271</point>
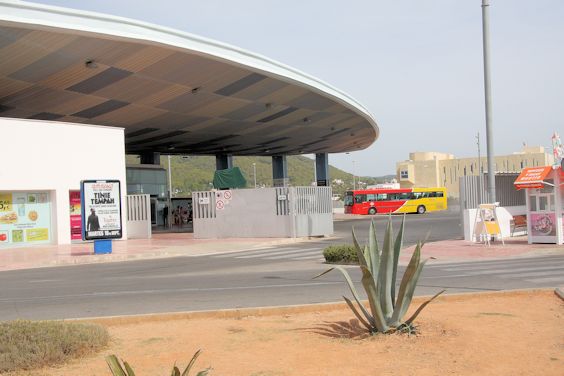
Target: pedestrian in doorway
<point>165,216</point>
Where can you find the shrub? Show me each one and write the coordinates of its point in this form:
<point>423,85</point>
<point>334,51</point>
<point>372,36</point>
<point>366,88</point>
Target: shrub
<point>379,272</point>
<point>340,254</point>
<point>25,345</point>
<point>124,369</point>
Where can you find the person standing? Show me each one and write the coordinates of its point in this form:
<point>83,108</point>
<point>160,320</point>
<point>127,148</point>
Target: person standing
<point>165,216</point>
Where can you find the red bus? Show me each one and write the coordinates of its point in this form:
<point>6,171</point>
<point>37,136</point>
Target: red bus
<point>408,200</point>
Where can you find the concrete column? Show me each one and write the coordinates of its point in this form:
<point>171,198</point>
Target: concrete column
<point>279,171</point>
<point>322,169</point>
<point>223,161</point>
<point>151,158</point>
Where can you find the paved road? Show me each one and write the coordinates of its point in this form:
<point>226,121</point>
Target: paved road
<point>243,279</point>
<point>437,226</point>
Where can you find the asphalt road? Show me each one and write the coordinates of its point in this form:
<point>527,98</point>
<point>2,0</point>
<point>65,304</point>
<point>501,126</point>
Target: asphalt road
<point>277,276</point>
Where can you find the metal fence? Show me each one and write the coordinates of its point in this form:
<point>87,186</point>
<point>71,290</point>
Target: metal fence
<point>473,191</point>
<point>138,216</point>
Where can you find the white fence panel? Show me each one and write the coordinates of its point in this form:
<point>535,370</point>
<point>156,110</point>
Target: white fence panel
<point>138,220</point>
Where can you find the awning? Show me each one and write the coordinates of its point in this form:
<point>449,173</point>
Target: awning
<point>532,177</point>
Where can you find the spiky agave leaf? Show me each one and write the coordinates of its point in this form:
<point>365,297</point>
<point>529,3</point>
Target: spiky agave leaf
<point>385,272</point>
<point>350,283</point>
<point>374,251</point>
<point>418,310</point>
<point>379,318</point>
<point>192,361</point>
<point>410,290</point>
<point>397,248</point>
<point>115,366</point>
<point>357,314</point>
<point>361,259</point>
<point>407,276</point>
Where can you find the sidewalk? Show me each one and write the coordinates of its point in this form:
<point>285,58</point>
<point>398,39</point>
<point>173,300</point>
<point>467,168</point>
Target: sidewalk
<point>159,246</point>
<point>184,244</point>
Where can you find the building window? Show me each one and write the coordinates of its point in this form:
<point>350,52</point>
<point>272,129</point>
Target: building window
<point>25,218</point>
<point>404,174</point>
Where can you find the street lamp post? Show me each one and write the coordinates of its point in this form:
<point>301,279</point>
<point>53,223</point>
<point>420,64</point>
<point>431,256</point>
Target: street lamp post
<point>354,180</point>
<point>169,194</point>
<point>255,173</point>
<point>487,92</point>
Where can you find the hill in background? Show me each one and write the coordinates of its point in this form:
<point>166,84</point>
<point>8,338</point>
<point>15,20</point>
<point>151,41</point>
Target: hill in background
<point>195,173</point>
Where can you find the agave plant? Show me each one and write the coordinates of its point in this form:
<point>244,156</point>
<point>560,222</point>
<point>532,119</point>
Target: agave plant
<point>124,369</point>
<point>379,272</point>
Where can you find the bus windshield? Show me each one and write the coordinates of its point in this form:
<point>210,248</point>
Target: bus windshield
<point>348,199</point>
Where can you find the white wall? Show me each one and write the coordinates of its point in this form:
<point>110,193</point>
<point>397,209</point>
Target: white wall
<point>38,155</point>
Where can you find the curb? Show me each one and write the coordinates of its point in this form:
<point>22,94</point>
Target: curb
<point>281,310</point>
<point>559,291</point>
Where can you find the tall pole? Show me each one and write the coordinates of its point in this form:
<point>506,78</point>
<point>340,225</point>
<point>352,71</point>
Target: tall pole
<point>487,89</point>
<point>169,193</point>
<point>480,185</point>
<point>255,173</point>
<point>354,181</point>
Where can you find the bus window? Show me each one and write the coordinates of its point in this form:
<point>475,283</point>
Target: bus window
<point>416,195</point>
<point>405,196</point>
<point>382,196</point>
<point>359,199</point>
<point>440,194</point>
<point>348,199</point>
<point>394,196</point>
<point>432,194</point>
<point>371,197</point>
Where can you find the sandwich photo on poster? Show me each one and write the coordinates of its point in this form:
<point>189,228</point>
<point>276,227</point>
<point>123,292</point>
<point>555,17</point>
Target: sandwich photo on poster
<point>101,209</point>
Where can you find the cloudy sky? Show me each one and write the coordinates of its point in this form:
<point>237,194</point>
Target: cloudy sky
<point>415,65</point>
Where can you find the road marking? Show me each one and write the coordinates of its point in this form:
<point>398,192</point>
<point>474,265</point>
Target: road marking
<point>548,279</point>
<point>482,269</point>
<point>292,256</point>
<point>165,291</point>
<point>476,264</point>
<point>282,254</point>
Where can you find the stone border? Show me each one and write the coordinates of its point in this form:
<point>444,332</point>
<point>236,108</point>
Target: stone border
<point>559,291</point>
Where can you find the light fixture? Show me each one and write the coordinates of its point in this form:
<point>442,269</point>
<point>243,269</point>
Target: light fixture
<point>170,147</point>
<point>196,90</point>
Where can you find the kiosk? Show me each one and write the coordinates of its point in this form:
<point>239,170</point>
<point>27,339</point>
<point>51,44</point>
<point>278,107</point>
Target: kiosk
<point>544,200</point>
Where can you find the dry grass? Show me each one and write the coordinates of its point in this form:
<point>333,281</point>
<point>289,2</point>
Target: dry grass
<point>25,345</point>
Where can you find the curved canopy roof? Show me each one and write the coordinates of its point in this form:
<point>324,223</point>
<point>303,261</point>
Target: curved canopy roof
<point>173,92</point>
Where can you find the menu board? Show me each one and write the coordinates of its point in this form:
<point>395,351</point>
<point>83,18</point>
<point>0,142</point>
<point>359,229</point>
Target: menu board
<point>25,217</point>
<point>101,209</point>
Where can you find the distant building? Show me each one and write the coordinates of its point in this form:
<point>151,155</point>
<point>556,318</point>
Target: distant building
<point>433,169</point>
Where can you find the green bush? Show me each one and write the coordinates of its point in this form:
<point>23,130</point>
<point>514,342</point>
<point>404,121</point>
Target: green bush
<point>25,345</point>
<point>340,254</point>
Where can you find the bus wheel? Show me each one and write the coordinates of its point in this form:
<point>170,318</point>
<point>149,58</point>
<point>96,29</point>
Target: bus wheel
<point>421,209</point>
<point>372,211</point>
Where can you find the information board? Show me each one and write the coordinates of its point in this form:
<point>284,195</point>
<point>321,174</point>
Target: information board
<point>101,209</point>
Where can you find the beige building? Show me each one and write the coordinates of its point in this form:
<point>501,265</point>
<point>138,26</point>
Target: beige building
<point>432,169</point>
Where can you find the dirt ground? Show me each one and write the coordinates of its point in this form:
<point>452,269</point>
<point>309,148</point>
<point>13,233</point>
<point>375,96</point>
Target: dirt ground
<point>509,333</point>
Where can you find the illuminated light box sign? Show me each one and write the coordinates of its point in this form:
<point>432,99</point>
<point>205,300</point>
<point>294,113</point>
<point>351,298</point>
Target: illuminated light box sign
<point>101,209</point>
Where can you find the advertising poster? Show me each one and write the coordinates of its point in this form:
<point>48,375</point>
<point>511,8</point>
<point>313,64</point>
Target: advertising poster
<point>101,209</point>
<point>25,217</point>
<point>75,215</point>
<point>543,224</point>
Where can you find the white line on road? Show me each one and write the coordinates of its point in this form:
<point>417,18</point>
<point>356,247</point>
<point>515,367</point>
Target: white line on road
<point>164,291</point>
<point>270,254</point>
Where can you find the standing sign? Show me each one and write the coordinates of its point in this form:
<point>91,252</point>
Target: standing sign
<point>101,209</point>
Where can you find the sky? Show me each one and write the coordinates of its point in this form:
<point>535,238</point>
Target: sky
<point>416,65</point>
